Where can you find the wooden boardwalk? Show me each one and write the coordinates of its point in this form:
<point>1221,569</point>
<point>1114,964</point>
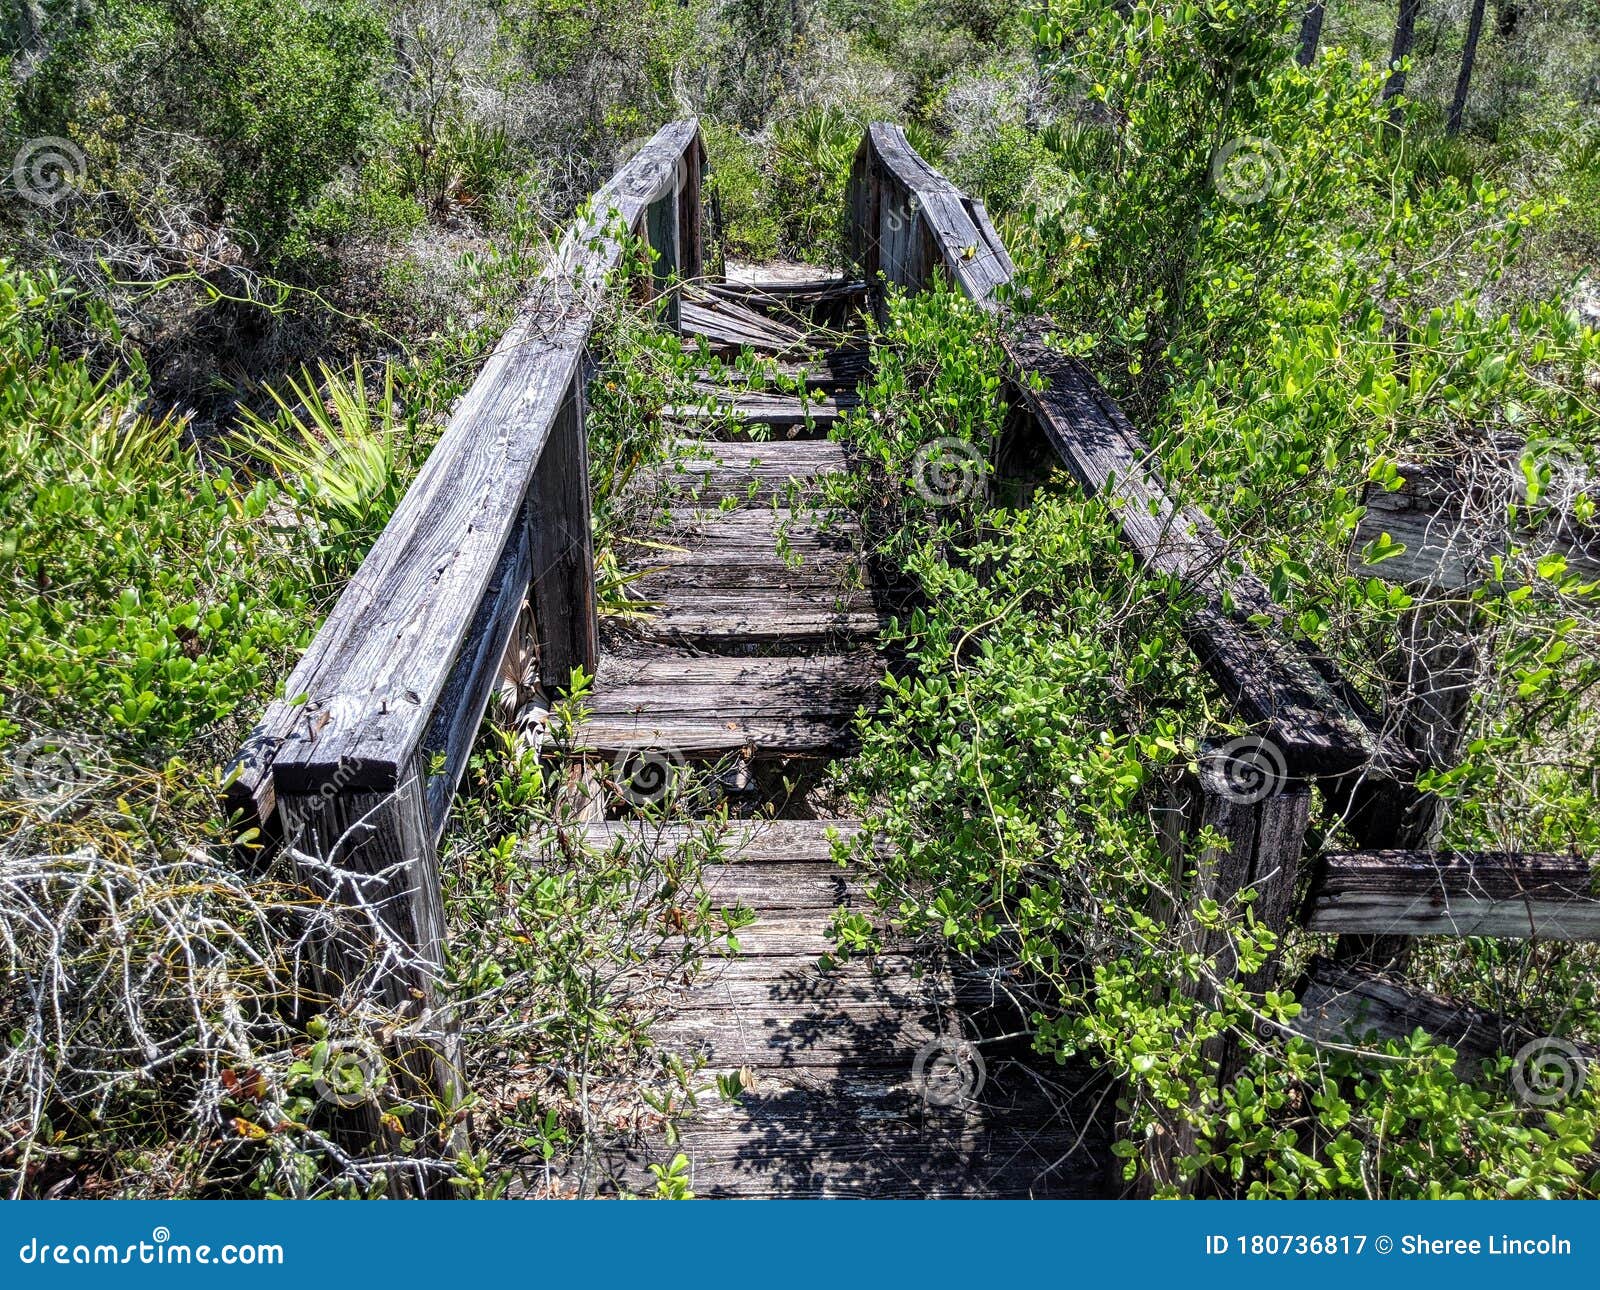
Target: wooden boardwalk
<point>882,1075</point>
<point>899,1073</point>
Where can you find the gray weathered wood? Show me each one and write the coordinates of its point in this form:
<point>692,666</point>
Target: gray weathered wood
<point>400,673</point>
<point>1350,1005</point>
<point>1423,893</point>
<point>562,590</point>
<point>906,220</point>
<point>374,673</point>
<point>466,694</point>
<point>1455,517</point>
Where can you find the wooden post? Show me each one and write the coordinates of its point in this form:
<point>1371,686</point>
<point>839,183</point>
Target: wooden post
<point>1261,821</point>
<point>661,231</point>
<point>370,853</point>
<point>563,548</point>
<point>691,238</point>
<point>1447,527</point>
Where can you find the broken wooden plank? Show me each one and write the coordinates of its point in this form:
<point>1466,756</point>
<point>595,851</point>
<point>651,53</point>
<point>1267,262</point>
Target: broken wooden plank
<point>730,327</point>
<point>1269,676</point>
<point>1485,893</point>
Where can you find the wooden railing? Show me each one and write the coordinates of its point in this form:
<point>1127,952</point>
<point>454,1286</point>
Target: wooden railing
<point>909,223</point>
<point>355,768</point>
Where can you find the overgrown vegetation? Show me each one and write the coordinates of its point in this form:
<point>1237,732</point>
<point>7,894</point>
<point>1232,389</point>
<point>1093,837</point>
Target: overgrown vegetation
<point>242,283</point>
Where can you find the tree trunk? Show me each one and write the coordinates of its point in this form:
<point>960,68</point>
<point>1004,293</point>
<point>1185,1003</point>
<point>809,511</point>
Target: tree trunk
<point>1311,32</point>
<point>1469,55</point>
<point>1405,34</point>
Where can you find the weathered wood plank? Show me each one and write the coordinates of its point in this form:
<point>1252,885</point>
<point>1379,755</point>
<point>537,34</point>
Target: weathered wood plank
<point>1421,893</point>
<point>795,677</point>
<point>843,368</point>
<point>759,841</point>
<point>461,706</point>
<point>759,407</point>
<point>728,326</point>
<point>1454,518</point>
<point>713,620</point>
<point>1270,678</point>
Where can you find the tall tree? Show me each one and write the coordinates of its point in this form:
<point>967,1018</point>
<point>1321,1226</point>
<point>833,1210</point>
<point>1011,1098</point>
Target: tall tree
<point>1311,31</point>
<point>1405,34</point>
<point>1469,55</point>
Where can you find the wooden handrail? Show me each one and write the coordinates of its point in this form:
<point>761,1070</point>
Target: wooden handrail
<point>907,220</point>
<point>354,769</point>
<point>501,503</point>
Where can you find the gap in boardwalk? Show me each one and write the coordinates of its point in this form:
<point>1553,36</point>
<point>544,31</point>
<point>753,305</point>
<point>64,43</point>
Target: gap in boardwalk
<point>879,1075</point>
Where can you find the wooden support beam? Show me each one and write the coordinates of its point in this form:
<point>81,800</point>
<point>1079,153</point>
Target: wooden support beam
<point>372,856</point>
<point>1262,833</point>
<point>1422,893</point>
<point>1352,1005</point>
